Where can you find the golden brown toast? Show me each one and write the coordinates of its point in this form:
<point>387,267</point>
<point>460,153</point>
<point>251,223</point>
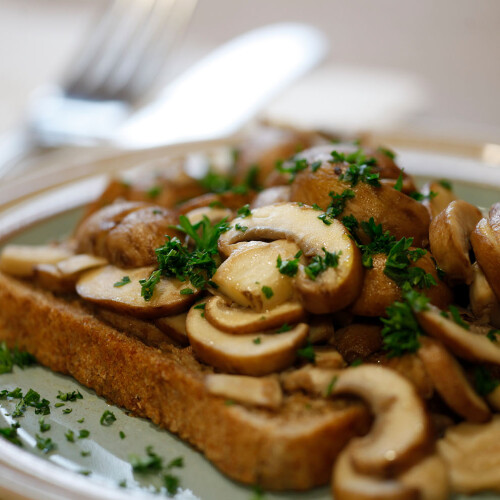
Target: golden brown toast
<point>292,448</point>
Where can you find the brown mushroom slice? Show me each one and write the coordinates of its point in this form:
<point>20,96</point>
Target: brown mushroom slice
<point>251,278</point>
<point>276,194</point>
<point>358,341</point>
<point>493,398</point>
<point>483,301</point>
<point>98,286</point>
<point>350,484</point>
<point>449,235</point>
<point>310,379</point>
<point>254,391</point>
<point>21,260</point>
<point>213,214</point>
<point>336,287</point>
<point>464,343</point>
<point>328,357</point>
<point>450,381</point>
<point>175,327</point>
<point>235,319</point>
<point>401,431</point>
<point>443,197</point>
<point>321,329</point>
<point>472,456</point>
<point>259,353</point>
<point>485,240</point>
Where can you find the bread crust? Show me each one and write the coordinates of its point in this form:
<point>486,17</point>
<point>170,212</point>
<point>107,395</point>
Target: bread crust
<point>139,369</point>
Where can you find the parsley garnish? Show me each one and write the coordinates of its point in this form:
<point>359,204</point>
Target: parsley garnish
<point>69,396</point>
<point>122,435</point>
<point>357,362</point>
<point>289,267</point>
<point>320,264</point>
<point>187,291</point>
<point>244,211</point>
<point>85,453</point>
<point>285,327</point>
<point>32,399</point>
<point>44,427</point>
<point>151,463</point>
<point>46,445</point>
<point>307,352</point>
<point>154,192</point>
<point>359,169</point>
<point>257,340</point>
<point>455,314</point>
<point>337,205</point>
<point>292,167</point>
<point>315,165</point>
<point>331,385</point>
<point>10,433</point>
<point>416,195</point>
<point>177,260</point>
<point>483,381</point>
<point>83,434</point>
<point>350,222</point>
<point>67,410</point>
<point>492,335</point>
<point>387,152</point>
<point>241,228</point>
<point>122,282</point>
<point>267,291</point>
<point>15,357</point>
<point>214,182</point>
<point>70,436</point>
<point>399,183</point>
<point>446,184</point>
<point>171,483</point>
<point>107,418</point>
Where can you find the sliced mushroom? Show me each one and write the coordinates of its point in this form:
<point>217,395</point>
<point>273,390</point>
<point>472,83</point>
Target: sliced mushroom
<point>450,381</point>
<point>472,456</point>
<point>333,289</point>
<point>379,291</point>
<point>276,194</point>
<point>258,353</point>
<point>98,286</point>
<point>449,235</point>
<point>436,204</point>
<point>411,219</point>
<point>493,398</point>
<point>234,319</point>
<point>485,240</point>
<point>251,278</point>
<point>328,357</point>
<point>483,301</point>
<point>63,276</point>
<point>310,379</point>
<point>464,343</point>
<point>21,260</point>
<point>321,329</point>
<point>401,432</point>
<point>358,341</point>
<point>175,327</point>
<point>262,391</point>
<point>214,214</point>
<point>350,484</point>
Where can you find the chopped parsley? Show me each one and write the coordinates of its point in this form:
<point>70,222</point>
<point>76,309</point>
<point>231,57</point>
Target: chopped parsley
<point>267,291</point>
<point>83,434</point>
<point>69,396</point>
<point>416,195</point>
<point>10,433</point>
<point>285,327</point>
<point>217,183</point>
<point>307,352</point>
<point>107,418</point>
<point>244,211</point>
<point>455,314</point>
<point>319,264</point>
<point>350,222</point>
<point>359,170</point>
<point>492,335</point>
<point>331,385</point>
<point>356,362</point>
<point>147,465</point>
<point>292,167</point>
<point>45,444</point>
<point>187,291</point>
<point>70,436</point>
<point>387,152</point>
<point>446,184</point>
<point>177,260</point>
<point>122,435</point>
<point>399,183</point>
<point>31,399</point>
<point>315,166</point>
<point>66,411</point>
<point>257,340</point>
<point>9,359</point>
<point>336,206</point>
<point>171,483</point>
<point>241,228</point>
<point>154,192</point>
<point>483,381</point>
<point>44,427</point>
<point>122,282</point>
<point>289,267</point>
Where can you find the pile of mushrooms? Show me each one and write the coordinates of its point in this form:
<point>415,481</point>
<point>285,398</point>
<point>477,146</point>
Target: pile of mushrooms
<point>252,325</point>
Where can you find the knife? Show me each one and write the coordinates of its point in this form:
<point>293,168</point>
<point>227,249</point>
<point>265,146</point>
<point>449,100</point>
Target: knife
<point>225,90</point>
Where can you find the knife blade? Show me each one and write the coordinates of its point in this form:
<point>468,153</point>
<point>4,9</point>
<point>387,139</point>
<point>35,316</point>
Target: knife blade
<point>225,90</point>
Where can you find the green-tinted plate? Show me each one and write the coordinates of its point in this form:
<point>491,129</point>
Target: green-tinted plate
<point>28,473</point>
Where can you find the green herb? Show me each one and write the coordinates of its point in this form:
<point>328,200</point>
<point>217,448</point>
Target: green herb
<point>350,222</point>
<point>10,433</point>
<point>387,152</point>
<point>214,182</point>
<point>69,396</point>
<point>244,211</point>
<point>307,353</point>
<point>123,281</point>
<point>336,206</point>
<point>85,453</point>
<point>9,359</point>
<point>401,329</point>
<point>157,211</point>
<point>317,207</point>
<point>151,463</point>
<point>122,483</point>
<point>44,427</point>
<point>331,385</point>
<point>399,183</point>
<point>85,472</point>
<point>319,264</point>
<point>66,411</point>
<point>187,291</point>
<point>455,314</point>
<point>483,381</point>
<point>258,494</point>
<point>446,184</point>
<point>315,165</point>
<point>216,204</point>
<point>416,195</point>
<point>46,445</point>
<point>32,399</point>
<point>177,260</point>
<point>154,192</point>
<point>292,167</point>
<point>257,340</point>
<point>289,267</point>
<point>171,483</point>
<point>122,435</point>
<point>176,462</point>
<point>241,228</point>
<point>267,291</point>
<point>359,169</point>
<point>83,434</point>
<point>70,436</point>
<point>229,402</point>
<point>492,335</point>
<point>285,327</point>
<point>107,418</point>
<point>16,393</point>
<point>200,306</point>
<point>356,362</point>
<point>81,420</point>
<point>58,405</point>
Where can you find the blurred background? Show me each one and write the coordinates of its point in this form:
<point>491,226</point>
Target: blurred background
<point>417,69</point>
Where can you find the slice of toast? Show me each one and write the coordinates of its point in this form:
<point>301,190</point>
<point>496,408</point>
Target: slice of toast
<point>137,367</point>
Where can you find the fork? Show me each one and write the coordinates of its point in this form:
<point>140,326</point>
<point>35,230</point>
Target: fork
<point>115,68</point>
